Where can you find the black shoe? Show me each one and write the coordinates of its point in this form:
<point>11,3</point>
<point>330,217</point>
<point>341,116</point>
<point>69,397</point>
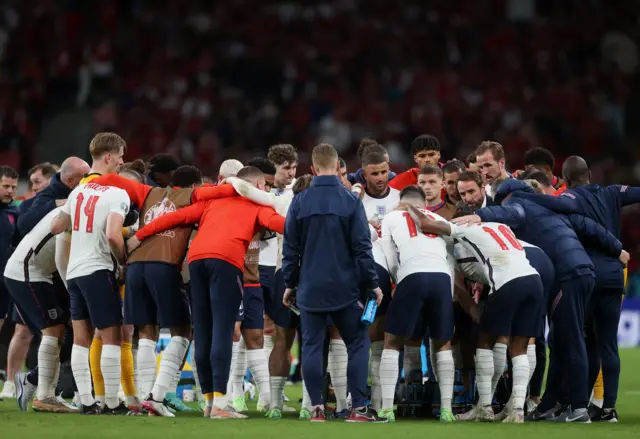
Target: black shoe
<point>607,415</point>
<point>93,409</point>
<point>120,410</point>
<point>365,414</point>
<point>595,412</point>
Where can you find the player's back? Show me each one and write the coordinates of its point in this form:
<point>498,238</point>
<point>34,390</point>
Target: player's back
<point>416,251</point>
<point>498,249</point>
<point>35,255</point>
<point>226,228</point>
<point>89,206</point>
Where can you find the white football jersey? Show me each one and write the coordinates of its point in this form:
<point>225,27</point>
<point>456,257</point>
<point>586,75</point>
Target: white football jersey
<point>89,206</point>
<point>34,258</point>
<point>468,264</point>
<point>497,248</point>
<point>269,248</point>
<point>376,209</point>
<point>408,250</point>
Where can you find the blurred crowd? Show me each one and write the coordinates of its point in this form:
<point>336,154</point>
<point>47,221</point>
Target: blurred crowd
<point>208,80</point>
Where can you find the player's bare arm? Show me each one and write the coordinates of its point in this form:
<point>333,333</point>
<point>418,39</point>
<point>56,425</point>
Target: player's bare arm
<point>114,237</point>
<point>60,223</point>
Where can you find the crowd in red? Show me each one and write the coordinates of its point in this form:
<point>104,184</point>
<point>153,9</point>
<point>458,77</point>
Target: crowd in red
<point>212,80</point>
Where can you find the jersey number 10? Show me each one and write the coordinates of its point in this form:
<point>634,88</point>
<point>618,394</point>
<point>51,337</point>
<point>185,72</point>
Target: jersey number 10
<point>507,233</point>
<point>413,231</point>
<point>89,210</point>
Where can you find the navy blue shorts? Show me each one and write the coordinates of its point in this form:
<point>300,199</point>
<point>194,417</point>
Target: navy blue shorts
<point>37,304</point>
<point>267,273</point>
<point>421,301</point>
<point>96,297</point>
<point>384,282</point>
<point>515,309</point>
<point>15,314</point>
<point>543,265</point>
<point>273,307</point>
<point>253,306</point>
<point>5,301</point>
<point>154,296</point>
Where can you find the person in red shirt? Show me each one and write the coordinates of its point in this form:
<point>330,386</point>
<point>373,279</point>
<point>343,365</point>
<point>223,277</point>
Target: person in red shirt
<point>216,259</point>
<point>426,151</point>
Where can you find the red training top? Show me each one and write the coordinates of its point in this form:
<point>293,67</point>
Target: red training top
<point>226,227</point>
<point>560,190</point>
<point>138,192</point>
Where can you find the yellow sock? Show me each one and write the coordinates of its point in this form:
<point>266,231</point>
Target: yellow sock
<point>218,394</point>
<point>208,396</point>
<point>127,378</point>
<point>95,352</point>
<point>598,388</point>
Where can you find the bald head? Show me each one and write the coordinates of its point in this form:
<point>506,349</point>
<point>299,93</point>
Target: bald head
<point>72,170</point>
<point>575,171</point>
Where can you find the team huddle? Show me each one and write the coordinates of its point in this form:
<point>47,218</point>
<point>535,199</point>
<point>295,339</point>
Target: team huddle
<point>468,259</point>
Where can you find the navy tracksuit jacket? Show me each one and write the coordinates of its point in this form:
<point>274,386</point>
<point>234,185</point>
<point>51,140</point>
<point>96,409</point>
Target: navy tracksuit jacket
<point>557,235</point>
<point>603,204</point>
<point>39,206</point>
<point>327,257</point>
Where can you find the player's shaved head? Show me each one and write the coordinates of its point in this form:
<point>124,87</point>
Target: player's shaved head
<point>72,170</point>
<point>413,195</point>
<point>575,171</point>
<point>250,174</point>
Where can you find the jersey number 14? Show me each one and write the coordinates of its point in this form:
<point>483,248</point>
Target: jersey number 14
<point>89,210</point>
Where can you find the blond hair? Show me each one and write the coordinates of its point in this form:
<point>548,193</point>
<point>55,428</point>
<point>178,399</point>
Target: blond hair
<point>535,184</point>
<point>105,143</point>
<point>324,156</point>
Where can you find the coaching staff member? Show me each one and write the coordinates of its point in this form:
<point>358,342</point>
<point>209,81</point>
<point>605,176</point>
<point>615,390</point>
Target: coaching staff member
<point>327,258</point>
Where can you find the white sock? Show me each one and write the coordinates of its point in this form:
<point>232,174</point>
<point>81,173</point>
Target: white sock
<point>337,368</point>
<point>269,342</point>
<point>389,371</point>
<point>533,360</point>
<point>306,399</point>
<point>499,361</point>
<point>169,365</point>
<point>82,373</point>
<point>146,366</point>
<point>239,370</point>
<point>54,382</point>
<point>220,401</point>
<point>597,402</point>
<point>276,384</point>
<point>173,386</point>
<point>446,375</point>
<point>484,373</point>
<point>196,380</point>
<point>259,367</point>
<point>48,360</point>
<point>520,380</point>
<point>376,389</point>
<point>111,371</point>
<point>412,360</point>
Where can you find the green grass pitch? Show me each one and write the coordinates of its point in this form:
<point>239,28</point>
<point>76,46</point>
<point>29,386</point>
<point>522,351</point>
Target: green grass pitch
<point>14,424</point>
